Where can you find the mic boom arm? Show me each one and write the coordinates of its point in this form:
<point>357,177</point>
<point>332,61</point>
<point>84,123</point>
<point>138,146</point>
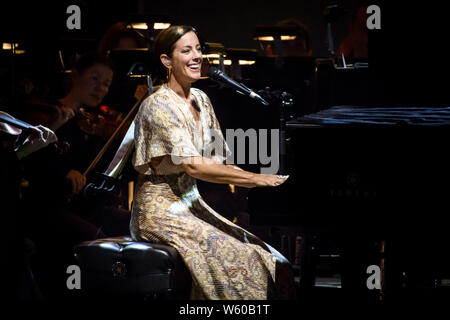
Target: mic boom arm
<point>219,76</point>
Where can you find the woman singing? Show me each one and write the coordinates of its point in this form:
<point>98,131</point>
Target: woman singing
<point>175,126</point>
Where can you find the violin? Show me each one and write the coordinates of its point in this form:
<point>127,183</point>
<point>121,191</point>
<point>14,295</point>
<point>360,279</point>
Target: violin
<point>14,127</point>
<point>9,124</point>
<point>102,121</point>
<point>109,179</point>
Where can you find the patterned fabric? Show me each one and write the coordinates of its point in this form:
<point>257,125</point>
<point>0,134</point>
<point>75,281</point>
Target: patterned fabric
<point>225,261</point>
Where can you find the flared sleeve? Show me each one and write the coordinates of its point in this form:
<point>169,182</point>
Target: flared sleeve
<point>160,129</point>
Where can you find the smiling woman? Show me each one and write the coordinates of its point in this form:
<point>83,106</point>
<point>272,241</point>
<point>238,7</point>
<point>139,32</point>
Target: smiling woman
<point>185,61</point>
<point>186,46</point>
<point>174,128</point>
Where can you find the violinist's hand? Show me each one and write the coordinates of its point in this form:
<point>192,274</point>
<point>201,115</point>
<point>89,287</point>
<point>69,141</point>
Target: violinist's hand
<point>64,114</point>
<point>269,180</point>
<point>39,138</point>
<point>141,91</point>
<point>77,181</point>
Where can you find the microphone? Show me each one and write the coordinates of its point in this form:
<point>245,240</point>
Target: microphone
<point>219,76</point>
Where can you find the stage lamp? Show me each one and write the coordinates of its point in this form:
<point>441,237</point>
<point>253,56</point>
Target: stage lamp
<point>160,25</point>
<point>139,25</point>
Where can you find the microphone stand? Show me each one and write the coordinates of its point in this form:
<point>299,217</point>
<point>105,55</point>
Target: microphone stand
<point>332,13</point>
<point>330,40</point>
<point>284,101</point>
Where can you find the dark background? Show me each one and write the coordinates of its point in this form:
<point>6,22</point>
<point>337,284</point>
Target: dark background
<point>231,23</point>
<point>409,54</point>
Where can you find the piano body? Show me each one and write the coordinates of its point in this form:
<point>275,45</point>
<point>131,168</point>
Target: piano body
<point>368,178</point>
<point>365,176</point>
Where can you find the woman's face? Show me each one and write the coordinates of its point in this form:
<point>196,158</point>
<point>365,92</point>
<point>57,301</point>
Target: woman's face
<point>186,60</point>
<point>92,84</point>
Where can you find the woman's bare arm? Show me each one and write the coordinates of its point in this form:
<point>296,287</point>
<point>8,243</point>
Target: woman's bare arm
<point>211,171</point>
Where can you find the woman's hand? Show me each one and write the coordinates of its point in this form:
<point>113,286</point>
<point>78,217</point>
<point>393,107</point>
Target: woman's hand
<point>77,181</point>
<point>269,180</point>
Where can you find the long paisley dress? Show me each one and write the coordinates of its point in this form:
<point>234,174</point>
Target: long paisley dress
<point>225,261</point>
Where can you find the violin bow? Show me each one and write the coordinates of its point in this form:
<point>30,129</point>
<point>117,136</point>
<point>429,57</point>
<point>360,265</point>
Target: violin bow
<point>115,133</point>
<point>15,122</point>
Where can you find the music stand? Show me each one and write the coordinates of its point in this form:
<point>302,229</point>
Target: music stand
<point>132,67</point>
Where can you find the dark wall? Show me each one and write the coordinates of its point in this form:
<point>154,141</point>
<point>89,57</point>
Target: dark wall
<point>232,22</point>
<point>408,54</point>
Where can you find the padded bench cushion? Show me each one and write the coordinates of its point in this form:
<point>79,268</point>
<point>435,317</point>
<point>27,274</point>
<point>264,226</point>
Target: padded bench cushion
<point>122,266</point>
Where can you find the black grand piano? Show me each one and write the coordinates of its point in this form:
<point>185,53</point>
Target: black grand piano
<point>365,176</point>
<point>368,178</point>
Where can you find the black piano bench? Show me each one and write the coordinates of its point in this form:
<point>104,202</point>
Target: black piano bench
<point>142,270</point>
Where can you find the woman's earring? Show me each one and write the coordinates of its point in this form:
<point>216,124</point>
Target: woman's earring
<point>168,74</point>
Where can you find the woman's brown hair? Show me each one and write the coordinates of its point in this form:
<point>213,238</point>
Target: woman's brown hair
<point>164,44</point>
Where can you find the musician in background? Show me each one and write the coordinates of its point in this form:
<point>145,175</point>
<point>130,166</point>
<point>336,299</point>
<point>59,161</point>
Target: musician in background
<point>298,47</point>
<point>58,215</point>
<point>18,278</point>
<point>178,123</point>
<point>355,44</point>
<point>91,78</point>
<point>120,36</point>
